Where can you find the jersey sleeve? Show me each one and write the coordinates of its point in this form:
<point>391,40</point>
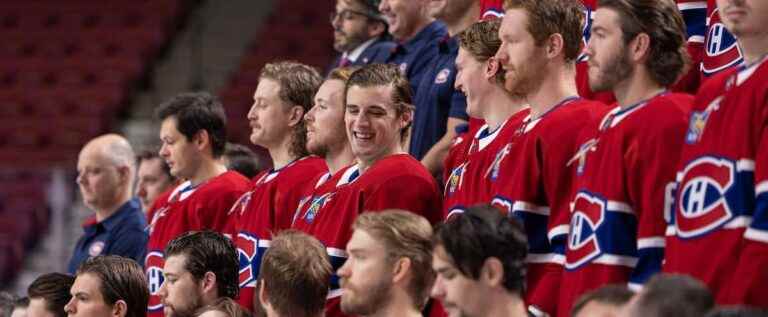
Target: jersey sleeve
<point>751,288</point>
<point>650,184</point>
<point>407,192</point>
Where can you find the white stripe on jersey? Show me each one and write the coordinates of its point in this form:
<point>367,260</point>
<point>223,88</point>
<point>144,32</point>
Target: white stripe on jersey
<point>739,222</point>
<point>650,242</point>
<point>333,293</point>
<point>553,258</point>
<point>611,259</point>
<point>558,231</point>
<point>339,253</point>
<point>692,5</point>
<point>620,207</point>
<point>761,188</point>
<point>531,208</point>
<point>756,235</point>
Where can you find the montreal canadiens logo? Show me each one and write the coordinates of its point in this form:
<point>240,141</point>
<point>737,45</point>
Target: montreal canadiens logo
<point>588,214</point>
<point>247,252</point>
<point>702,206</point>
<point>154,264</point>
<point>721,47</point>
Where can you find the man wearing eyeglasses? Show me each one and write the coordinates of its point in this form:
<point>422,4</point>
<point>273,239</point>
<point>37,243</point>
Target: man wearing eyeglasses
<point>360,33</point>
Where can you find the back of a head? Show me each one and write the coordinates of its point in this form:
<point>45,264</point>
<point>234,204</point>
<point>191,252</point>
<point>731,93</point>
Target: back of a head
<point>121,279</point>
<point>296,273</point>
<point>404,235</point>
<point>243,160</point>
<point>196,111</point>
<point>612,295</point>
<point>223,305</point>
<point>483,232</point>
<point>549,17</point>
<point>7,301</point>
<point>53,288</point>
<point>672,295</point>
<point>738,312</point>
<point>208,251</point>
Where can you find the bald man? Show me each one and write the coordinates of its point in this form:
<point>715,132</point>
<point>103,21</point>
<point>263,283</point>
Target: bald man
<point>105,171</point>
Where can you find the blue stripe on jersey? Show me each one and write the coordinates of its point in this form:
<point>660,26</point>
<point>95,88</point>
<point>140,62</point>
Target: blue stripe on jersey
<point>336,263</point>
<point>695,21</point>
<point>536,230</point>
<point>618,234</point>
<point>760,219</point>
<point>648,264</point>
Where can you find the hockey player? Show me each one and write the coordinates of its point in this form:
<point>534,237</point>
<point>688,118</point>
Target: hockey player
<point>622,187</point>
<point>722,194</point>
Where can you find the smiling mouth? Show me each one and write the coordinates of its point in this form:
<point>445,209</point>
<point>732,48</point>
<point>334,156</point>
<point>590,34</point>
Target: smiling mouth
<point>363,136</point>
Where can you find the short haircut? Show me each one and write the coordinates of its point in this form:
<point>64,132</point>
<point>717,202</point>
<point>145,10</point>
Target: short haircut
<point>548,17</point>
<point>375,75</point>
<point>738,312</point>
<point>297,273</point>
<point>342,73</point>
<point>147,155</point>
<point>615,295</point>
<point>404,235</point>
<point>298,85</point>
<point>208,251</point>
<point>371,10</point>
<point>54,289</point>
<point>483,232</point>
<point>225,305</point>
<point>663,23</point>
<point>7,302</point>
<point>673,295</point>
<point>196,111</point>
<point>482,41</point>
<point>243,160</point>
<point>121,279</point>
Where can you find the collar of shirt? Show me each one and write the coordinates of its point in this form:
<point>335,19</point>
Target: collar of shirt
<point>354,54</point>
<point>112,221</point>
<point>426,34</point>
<point>449,45</point>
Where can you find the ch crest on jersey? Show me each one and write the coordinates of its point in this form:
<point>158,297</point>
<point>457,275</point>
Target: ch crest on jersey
<point>160,213</point>
<point>493,170</point>
<point>701,204</point>
<point>248,256</point>
<point>455,179</point>
<point>721,47</point>
<point>315,206</point>
<point>587,216</point>
<point>154,264</point>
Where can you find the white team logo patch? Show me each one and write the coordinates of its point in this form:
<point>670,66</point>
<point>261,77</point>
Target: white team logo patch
<point>442,76</point>
<point>96,248</point>
<point>403,68</point>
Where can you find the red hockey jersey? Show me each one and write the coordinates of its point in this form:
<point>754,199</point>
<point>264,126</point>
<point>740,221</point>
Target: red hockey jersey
<point>624,180</point>
<point>721,203</point>
<point>721,51</point>
<point>397,181</point>
<point>266,209</point>
<point>471,181</point>
<point>535,185</point>
<point>187,208</point>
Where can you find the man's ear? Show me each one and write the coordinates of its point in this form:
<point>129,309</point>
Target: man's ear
<point>640,47</point>
<point>296,115</point>
<point>492,67</point>
<point>201,139</point>
<point>208,283</point>
<point>554,45</point>
<point>492,272</point>
<point>401,270</point>
<point>119,309</point>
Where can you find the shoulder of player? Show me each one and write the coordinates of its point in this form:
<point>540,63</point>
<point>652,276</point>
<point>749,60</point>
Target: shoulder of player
<point>228,182</point>
<point>396,167</point>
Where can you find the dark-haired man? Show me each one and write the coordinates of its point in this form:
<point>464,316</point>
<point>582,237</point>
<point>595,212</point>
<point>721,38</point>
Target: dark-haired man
<point>48,294</point>
<point>479,256</point>
<point>637,51</point>
<point>200,268</point>
<point>359,33</point>
<point>193,135</point>
<point>282,98</point>
<point>109,286</point>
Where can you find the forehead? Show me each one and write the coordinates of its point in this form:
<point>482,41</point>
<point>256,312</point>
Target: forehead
<point>92,157</point>
<point>151,165</point>
<point>363,241</point>
<point>174,264</point>
<point>330,88</point>
<point>267,88</point>
<point>348,4</point>
<point>370,96</point>
<point>515,21</point>
<point>86,283</point>
<point>168,126</point>
<point>441,259</point>
<point>606,17</point>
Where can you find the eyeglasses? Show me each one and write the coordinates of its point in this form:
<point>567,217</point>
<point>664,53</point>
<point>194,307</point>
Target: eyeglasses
<point>346,15</point>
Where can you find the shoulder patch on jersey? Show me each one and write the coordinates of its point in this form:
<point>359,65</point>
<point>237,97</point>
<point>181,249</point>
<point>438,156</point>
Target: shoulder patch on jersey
<point>442,76</point>
<point>493,170</point>
<point>581,155</point>
<point>722,50</point>
<point>315,206</point>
